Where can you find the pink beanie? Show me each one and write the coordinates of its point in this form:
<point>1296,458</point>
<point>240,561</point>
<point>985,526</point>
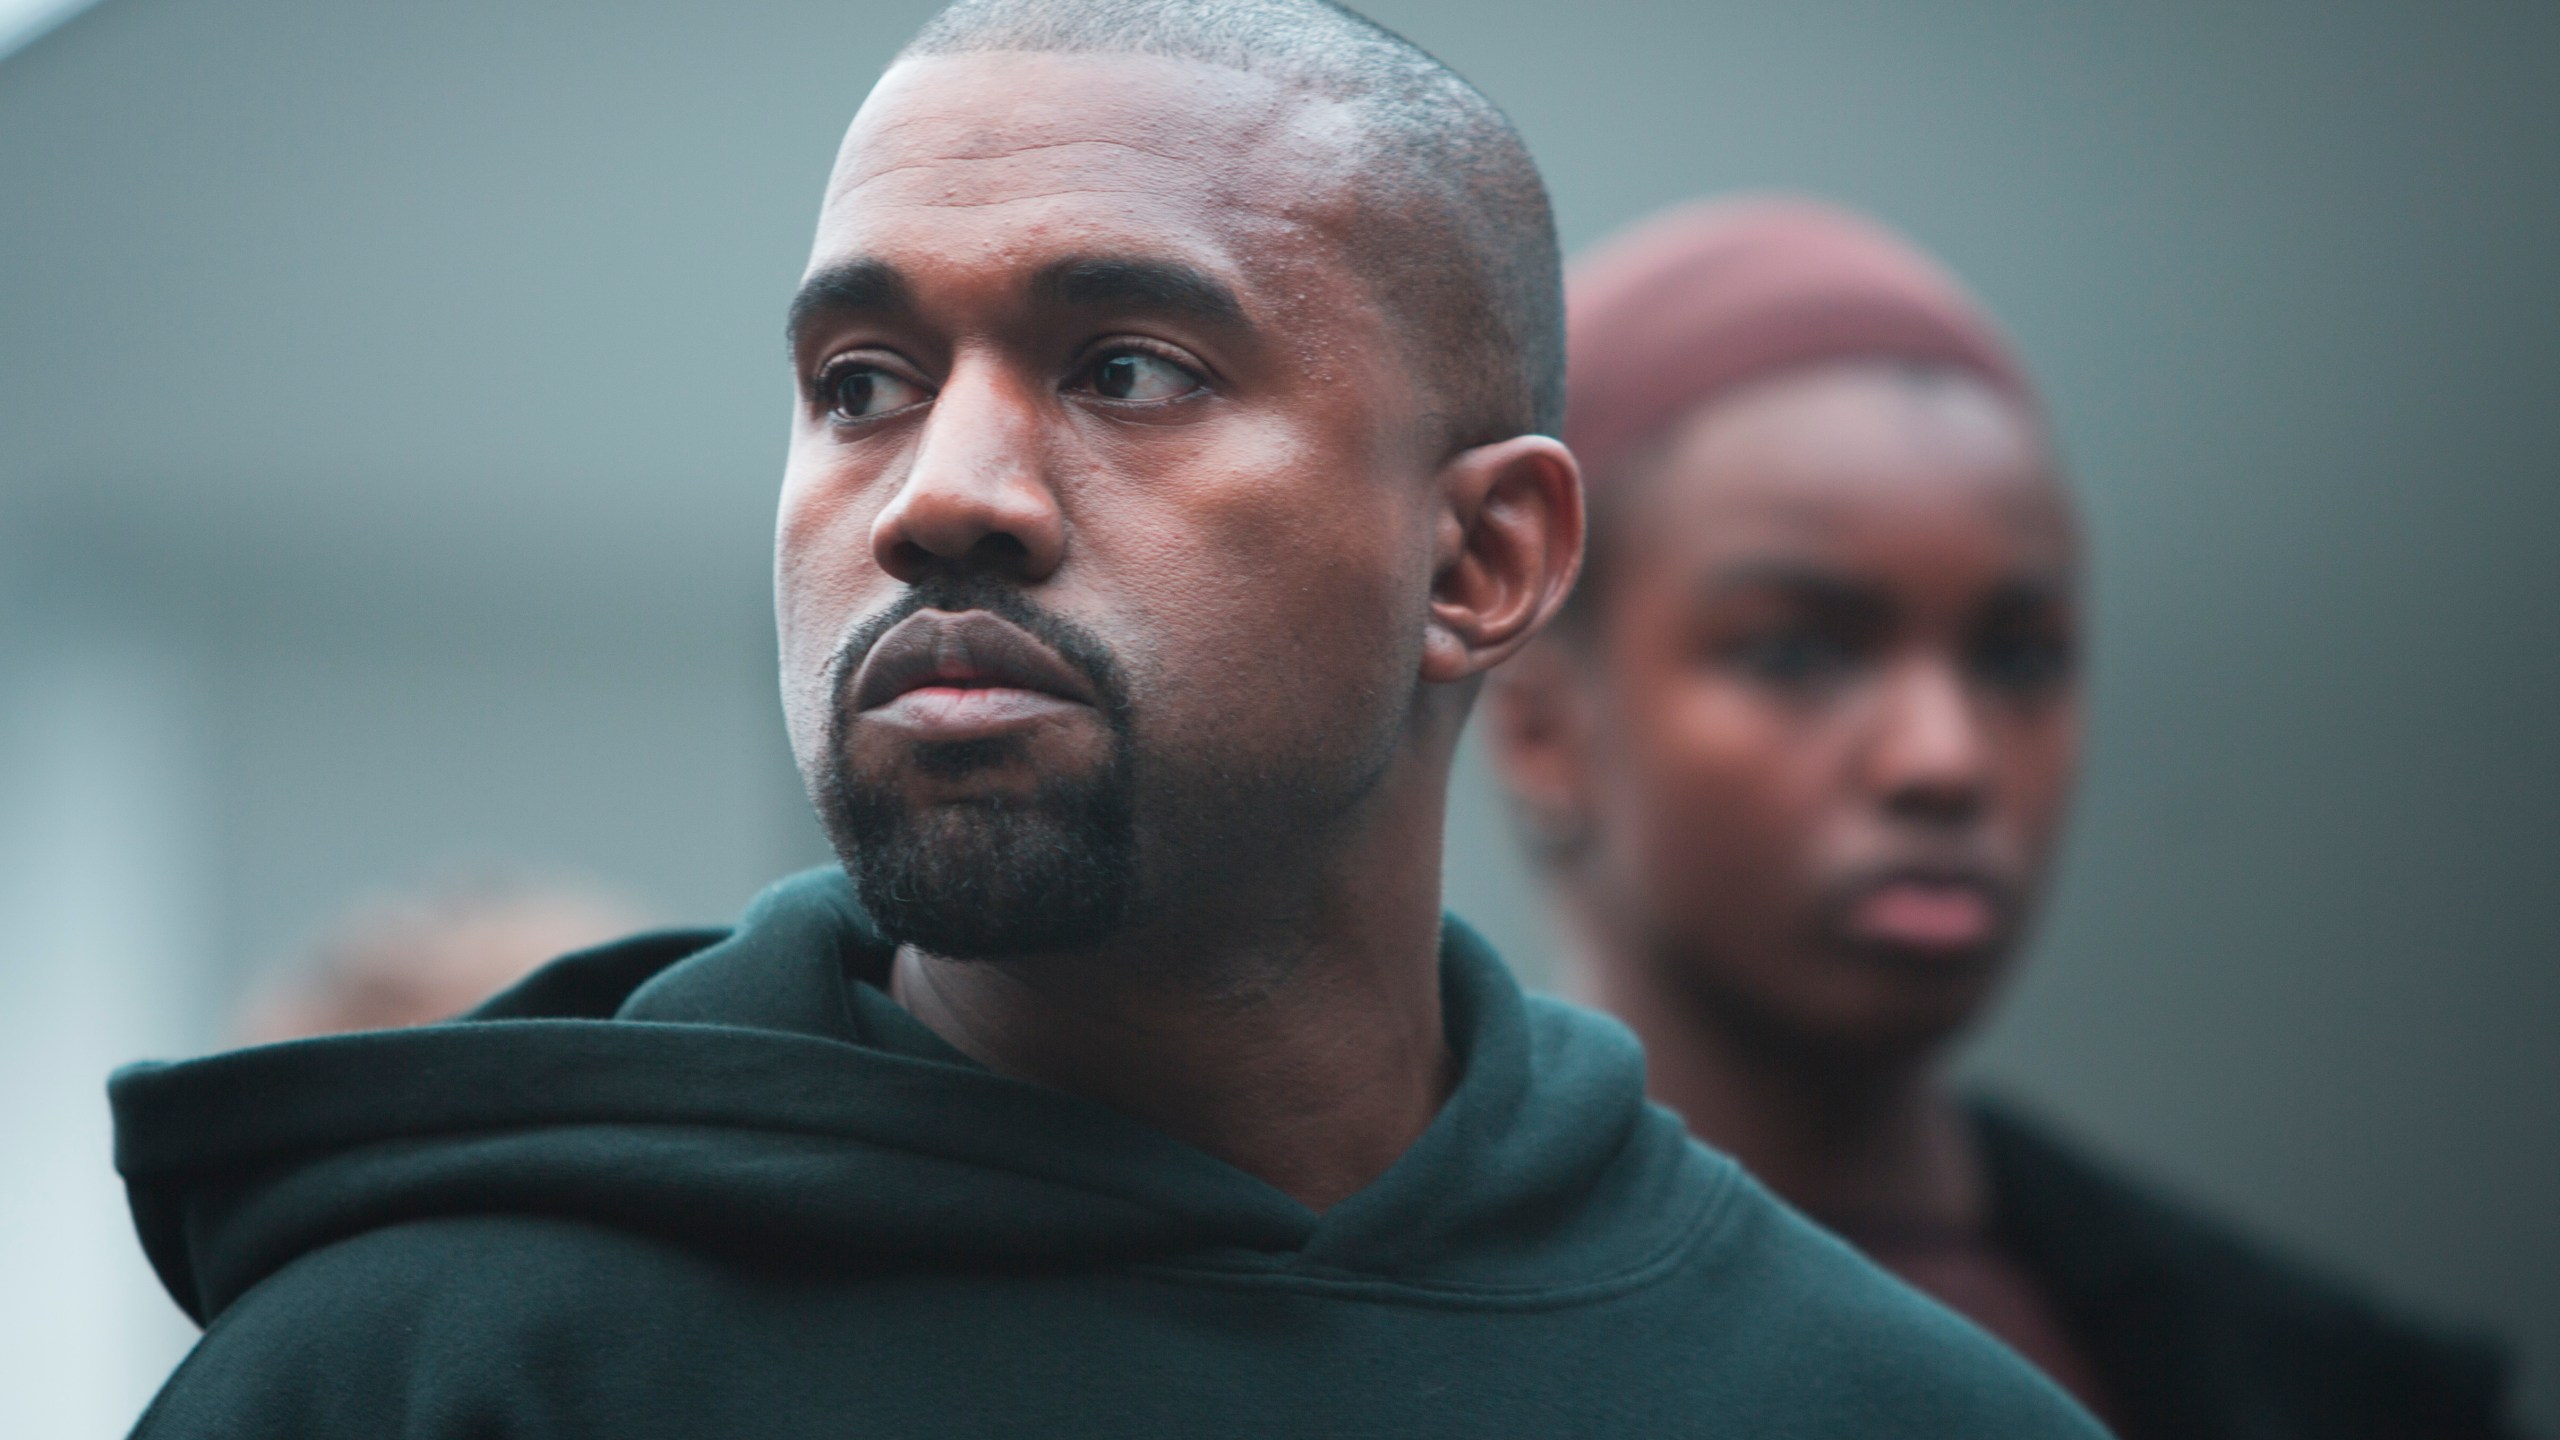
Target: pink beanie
<point>1704,297</point>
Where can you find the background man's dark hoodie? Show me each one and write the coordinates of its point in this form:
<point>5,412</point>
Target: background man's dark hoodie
<point>701,1184</point>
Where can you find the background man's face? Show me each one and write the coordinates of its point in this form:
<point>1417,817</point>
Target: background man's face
<point>1841,705</point>
<point>1090,402</point>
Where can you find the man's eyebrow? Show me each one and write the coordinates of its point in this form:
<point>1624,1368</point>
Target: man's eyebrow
<point>1137,283</point>
<point>856,287</point>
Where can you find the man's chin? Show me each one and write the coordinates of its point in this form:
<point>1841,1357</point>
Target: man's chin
<point>989,879</point>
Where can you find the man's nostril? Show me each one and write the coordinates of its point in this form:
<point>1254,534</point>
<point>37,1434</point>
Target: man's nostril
<point>999,547</point>
<point>910,561</point>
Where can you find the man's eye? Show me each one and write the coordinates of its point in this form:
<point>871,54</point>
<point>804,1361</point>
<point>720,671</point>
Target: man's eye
<point>858,392</point>
<point>1136,375</point>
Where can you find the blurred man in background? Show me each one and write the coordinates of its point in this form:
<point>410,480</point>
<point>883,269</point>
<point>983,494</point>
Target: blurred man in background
<point>1796,756</point>
<point>411,959</point>
<point>1173,457</point>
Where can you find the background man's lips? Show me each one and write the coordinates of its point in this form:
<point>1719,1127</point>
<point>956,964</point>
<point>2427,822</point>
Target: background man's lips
<point>1949,908</point>
<point>970,649</point>
<point>1924,915</point>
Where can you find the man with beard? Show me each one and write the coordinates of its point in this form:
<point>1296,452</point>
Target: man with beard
<point>1171,460</point>
<point>1797,757</point>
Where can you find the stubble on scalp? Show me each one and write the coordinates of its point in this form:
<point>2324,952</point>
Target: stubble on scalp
<point>1453,229</point>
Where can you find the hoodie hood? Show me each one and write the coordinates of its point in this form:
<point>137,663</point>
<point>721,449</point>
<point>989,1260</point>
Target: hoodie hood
<point>753,1093</point>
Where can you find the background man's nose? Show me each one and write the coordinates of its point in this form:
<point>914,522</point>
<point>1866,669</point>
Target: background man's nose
<point>978,494</point>
<point>1927,757</point>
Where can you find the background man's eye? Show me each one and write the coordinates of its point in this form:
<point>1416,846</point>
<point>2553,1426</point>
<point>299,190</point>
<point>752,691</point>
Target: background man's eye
<point>1136,375</point>
<point>2022,662</point>
<point>856,392</point>
<point>1790,657</point>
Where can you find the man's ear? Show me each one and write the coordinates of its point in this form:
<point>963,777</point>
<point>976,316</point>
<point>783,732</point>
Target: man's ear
<point>1506,549</point>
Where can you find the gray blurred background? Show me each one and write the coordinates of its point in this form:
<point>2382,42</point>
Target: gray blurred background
<point>392,401</point>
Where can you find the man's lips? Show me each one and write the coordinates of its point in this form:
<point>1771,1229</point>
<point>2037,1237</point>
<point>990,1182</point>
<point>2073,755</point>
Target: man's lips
<point>1932,911</point>
<point>957,676</point>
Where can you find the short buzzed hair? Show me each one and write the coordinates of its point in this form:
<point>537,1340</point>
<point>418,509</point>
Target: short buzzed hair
<point>1455,228</point>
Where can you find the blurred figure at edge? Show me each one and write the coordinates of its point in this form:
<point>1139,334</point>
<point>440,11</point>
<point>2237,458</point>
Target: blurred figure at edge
<point>411,959</point>
<point>1796,758</point>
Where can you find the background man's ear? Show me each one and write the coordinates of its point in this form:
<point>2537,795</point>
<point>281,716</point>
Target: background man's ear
<point>1507,548</point>
<point>1537,731</point>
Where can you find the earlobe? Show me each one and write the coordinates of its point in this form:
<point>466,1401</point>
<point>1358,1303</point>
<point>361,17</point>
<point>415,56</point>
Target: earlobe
<point>1507,548</point>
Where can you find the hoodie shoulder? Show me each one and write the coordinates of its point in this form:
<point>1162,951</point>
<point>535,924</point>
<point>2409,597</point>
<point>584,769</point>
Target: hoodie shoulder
<point>470,1326</point>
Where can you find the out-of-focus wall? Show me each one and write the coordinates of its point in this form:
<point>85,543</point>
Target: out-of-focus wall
<point>103,893</point>
<point>391,403</point>
<point>390,413</point>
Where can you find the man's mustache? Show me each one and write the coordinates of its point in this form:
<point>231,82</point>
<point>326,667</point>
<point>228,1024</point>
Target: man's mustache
<point>1073,643</point>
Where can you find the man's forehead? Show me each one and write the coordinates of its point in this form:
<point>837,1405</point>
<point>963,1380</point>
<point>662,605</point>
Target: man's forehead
<point>1061,153</point>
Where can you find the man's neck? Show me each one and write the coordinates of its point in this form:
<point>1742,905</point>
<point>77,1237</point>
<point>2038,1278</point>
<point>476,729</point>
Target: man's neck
<point>1309,1052</point>
<point>1878,1146</point>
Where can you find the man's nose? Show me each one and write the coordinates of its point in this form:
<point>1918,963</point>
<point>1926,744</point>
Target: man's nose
<point>978,494</point>
<point>1927,757</point>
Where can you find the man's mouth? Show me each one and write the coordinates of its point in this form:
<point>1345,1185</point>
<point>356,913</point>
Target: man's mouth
<point>944,676</point>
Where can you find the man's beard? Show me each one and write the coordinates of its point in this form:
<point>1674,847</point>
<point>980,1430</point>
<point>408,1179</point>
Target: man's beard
<point>993,877</point>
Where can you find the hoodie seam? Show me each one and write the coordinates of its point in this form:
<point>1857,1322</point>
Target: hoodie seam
<point>1355,1285</point>
<point>1000,1164</point>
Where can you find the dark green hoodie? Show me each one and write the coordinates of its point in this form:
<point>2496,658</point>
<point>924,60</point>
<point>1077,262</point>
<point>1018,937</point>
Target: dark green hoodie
<point>707,1185</point>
